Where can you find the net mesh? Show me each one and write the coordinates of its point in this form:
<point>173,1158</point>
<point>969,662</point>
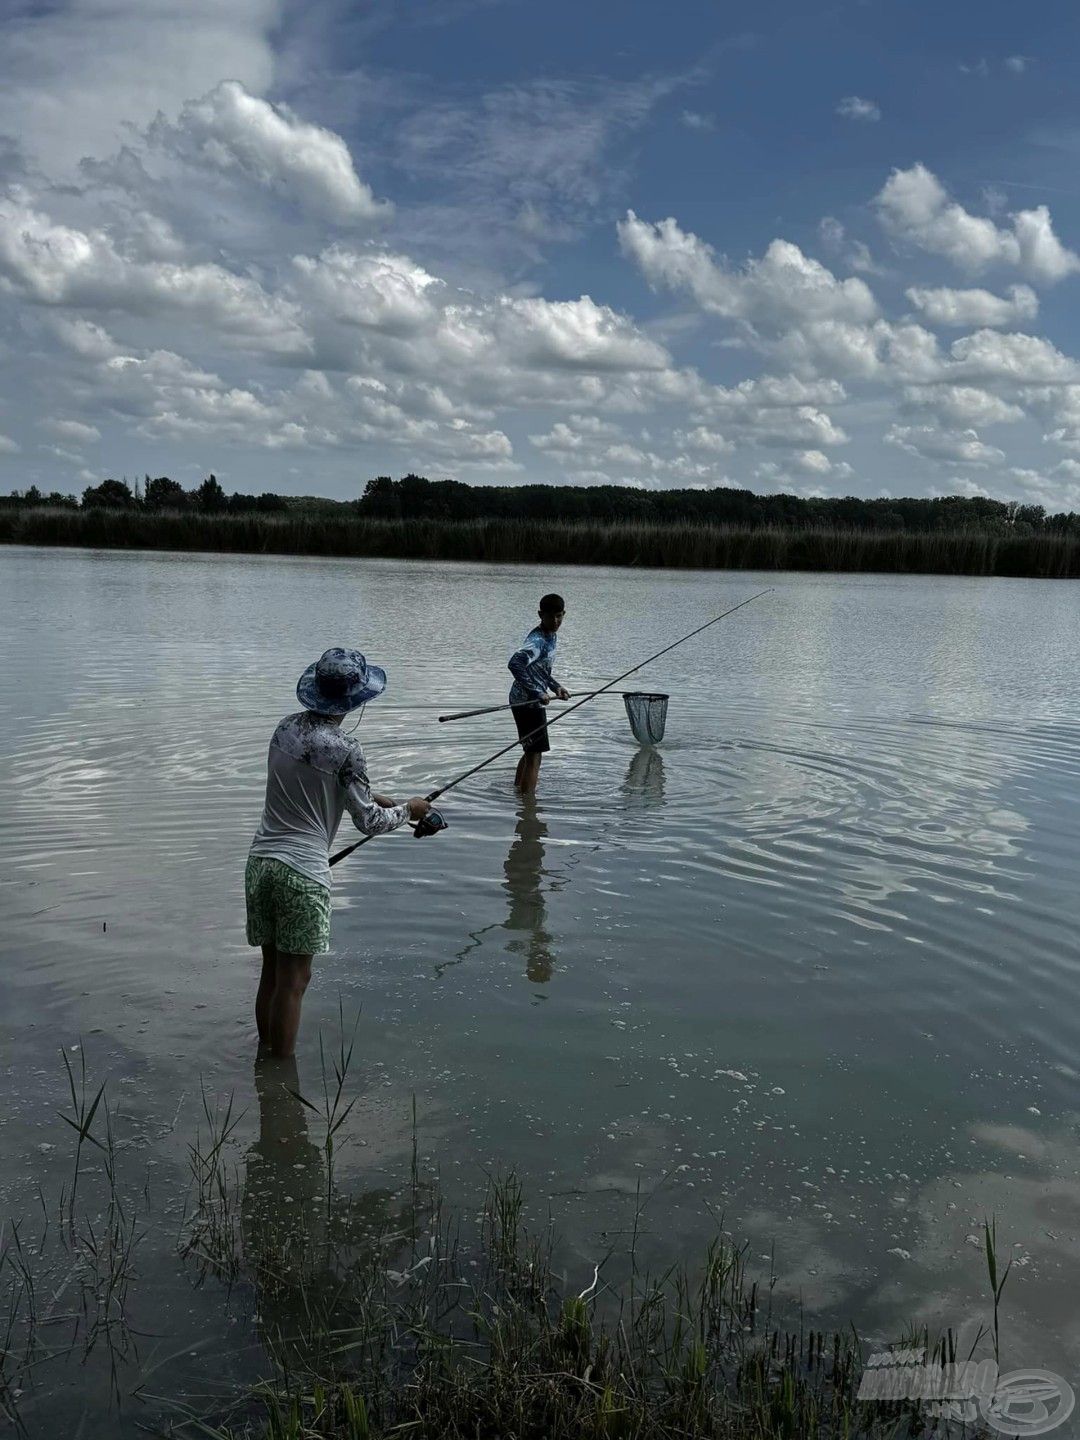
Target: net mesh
<point>647,715</point>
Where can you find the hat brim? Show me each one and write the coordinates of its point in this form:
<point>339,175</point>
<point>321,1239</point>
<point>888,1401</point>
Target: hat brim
<point>312,698</point>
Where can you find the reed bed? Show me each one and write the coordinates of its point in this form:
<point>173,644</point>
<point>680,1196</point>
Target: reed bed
<point>632,543</point>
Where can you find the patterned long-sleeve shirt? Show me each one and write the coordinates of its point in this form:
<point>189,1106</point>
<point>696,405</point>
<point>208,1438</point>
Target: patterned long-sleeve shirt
<point>314,774</point>
<point>531,666</point>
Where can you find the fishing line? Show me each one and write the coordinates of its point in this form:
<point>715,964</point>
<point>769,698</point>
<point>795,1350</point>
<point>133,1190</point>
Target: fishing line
<point>433,822</point>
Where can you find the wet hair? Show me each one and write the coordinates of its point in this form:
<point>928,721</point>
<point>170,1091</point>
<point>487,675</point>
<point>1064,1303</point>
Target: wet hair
<point>552,604</point>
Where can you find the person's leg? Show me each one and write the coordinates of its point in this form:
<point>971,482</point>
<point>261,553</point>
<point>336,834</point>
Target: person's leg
<point>530,774</point>
<point>293,973</point>
<point>267,981</point>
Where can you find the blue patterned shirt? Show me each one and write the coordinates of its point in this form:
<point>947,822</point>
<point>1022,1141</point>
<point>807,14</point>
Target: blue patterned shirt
<point>531,666</point>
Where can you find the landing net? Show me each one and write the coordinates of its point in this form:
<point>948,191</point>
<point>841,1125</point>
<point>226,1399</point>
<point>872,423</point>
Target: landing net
<point>647,715</point>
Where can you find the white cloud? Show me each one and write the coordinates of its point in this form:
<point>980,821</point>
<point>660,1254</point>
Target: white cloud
<point>1017,63</point>
<point>8,446</point>
<point>854,253</point>
<point>75,430</point>
<point>55,264</point>
<point>989,356</point>
<point>914,206</point>
<point>976,308</point>
<point>963,405</point>
<point>813,462</point>
<point>575,334</point>
<point>75,76</point>
<point>695,120</point>
<point>854,107</point>
<point>783,287</point>
<point>83,337</point>
<point>958,446</point>
<point>701,438</point>
<point>385,292</point>
<point>969,489</point>
<point>229,129</point>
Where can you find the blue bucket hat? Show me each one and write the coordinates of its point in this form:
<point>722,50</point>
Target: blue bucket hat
<point>339,681</point>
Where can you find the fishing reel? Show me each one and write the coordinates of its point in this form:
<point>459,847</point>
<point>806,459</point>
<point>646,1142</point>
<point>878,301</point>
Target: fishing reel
<point>431,824</point>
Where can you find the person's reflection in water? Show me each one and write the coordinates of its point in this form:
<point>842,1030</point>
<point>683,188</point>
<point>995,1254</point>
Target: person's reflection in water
<point>644,783</point>
<point>308,1253</point>
<point>524,874</point>
<point>282,1210</point>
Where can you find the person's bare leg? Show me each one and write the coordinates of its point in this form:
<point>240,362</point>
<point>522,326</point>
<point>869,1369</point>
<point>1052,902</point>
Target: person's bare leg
<point>267,981</point>
<point>293,975</point>
<point>530,773</point>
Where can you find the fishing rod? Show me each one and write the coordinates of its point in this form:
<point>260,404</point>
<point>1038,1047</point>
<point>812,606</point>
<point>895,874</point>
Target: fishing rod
<point>433,822</point>
<point>520,704</point>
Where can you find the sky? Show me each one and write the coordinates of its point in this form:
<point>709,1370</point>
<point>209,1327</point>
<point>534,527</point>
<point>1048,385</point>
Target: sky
<point>831,249</point>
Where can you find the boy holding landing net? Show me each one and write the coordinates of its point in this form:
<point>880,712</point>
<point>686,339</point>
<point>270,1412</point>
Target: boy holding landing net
<point>531,669</point>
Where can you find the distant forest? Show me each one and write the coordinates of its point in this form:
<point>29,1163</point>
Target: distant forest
<point>415,498</point>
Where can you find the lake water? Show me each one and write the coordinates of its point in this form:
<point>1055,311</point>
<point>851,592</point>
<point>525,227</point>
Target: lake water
<point>811,964</point>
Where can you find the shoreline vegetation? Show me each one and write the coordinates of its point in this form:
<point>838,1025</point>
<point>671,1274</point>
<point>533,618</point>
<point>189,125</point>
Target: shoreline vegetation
<point>362,1314</point>
<point>718,528</point>
<point>677,545</point>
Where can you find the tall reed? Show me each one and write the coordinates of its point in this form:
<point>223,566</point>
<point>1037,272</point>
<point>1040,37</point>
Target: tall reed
<point>679,546</point>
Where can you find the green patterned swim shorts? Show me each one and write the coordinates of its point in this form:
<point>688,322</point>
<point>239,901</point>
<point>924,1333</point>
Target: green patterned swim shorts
<point>284,908</point>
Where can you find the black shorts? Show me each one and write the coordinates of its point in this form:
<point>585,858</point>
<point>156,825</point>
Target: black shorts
<point>529,718</point>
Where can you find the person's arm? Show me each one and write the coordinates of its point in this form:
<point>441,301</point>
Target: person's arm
<point>369,814</point>
<point>520,666</point>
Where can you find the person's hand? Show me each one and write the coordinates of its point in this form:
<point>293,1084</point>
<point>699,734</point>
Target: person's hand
<point>562,694</point>
<point>545,700</point>
<point>383,800</point>
<point>418,807</point>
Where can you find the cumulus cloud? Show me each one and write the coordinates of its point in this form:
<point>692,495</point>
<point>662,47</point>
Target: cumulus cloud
<point>75,430</point>
<point>963,405</point>
<point>702,438</point>
<point>230,129</point>
<point>958,447</point>
<point>782,287</point>
<point>55,264</point>
<point>854,107</point>
<point>988,356</point>
<point>976,308</point>
<point>914,206</point>
<point>74,78</point>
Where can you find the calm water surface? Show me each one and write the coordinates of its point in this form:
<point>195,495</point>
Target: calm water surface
<point>811,965</point>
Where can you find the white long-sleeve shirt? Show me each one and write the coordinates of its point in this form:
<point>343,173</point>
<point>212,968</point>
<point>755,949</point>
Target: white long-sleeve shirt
<point>314,774</point>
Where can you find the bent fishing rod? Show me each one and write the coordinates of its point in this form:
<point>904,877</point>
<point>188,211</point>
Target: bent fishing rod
<point>433,822</point>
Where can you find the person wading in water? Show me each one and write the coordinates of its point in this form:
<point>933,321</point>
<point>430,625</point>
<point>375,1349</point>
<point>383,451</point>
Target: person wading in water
<point>531,669</point>
<point>314,774</point>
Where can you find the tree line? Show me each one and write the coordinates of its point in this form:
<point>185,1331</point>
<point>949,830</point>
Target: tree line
<point>414,497</point>
<point>158,493</point>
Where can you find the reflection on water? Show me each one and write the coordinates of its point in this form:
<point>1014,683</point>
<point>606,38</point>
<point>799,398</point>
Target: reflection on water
<point>283,1209</point>
<point>523,872</point>
<point>643,788</point>
<point>305,1238</point>
<point>805,953</point>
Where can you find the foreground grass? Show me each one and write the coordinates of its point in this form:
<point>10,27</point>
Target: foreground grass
<point>692,546</point>
<point>377,1315</point>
